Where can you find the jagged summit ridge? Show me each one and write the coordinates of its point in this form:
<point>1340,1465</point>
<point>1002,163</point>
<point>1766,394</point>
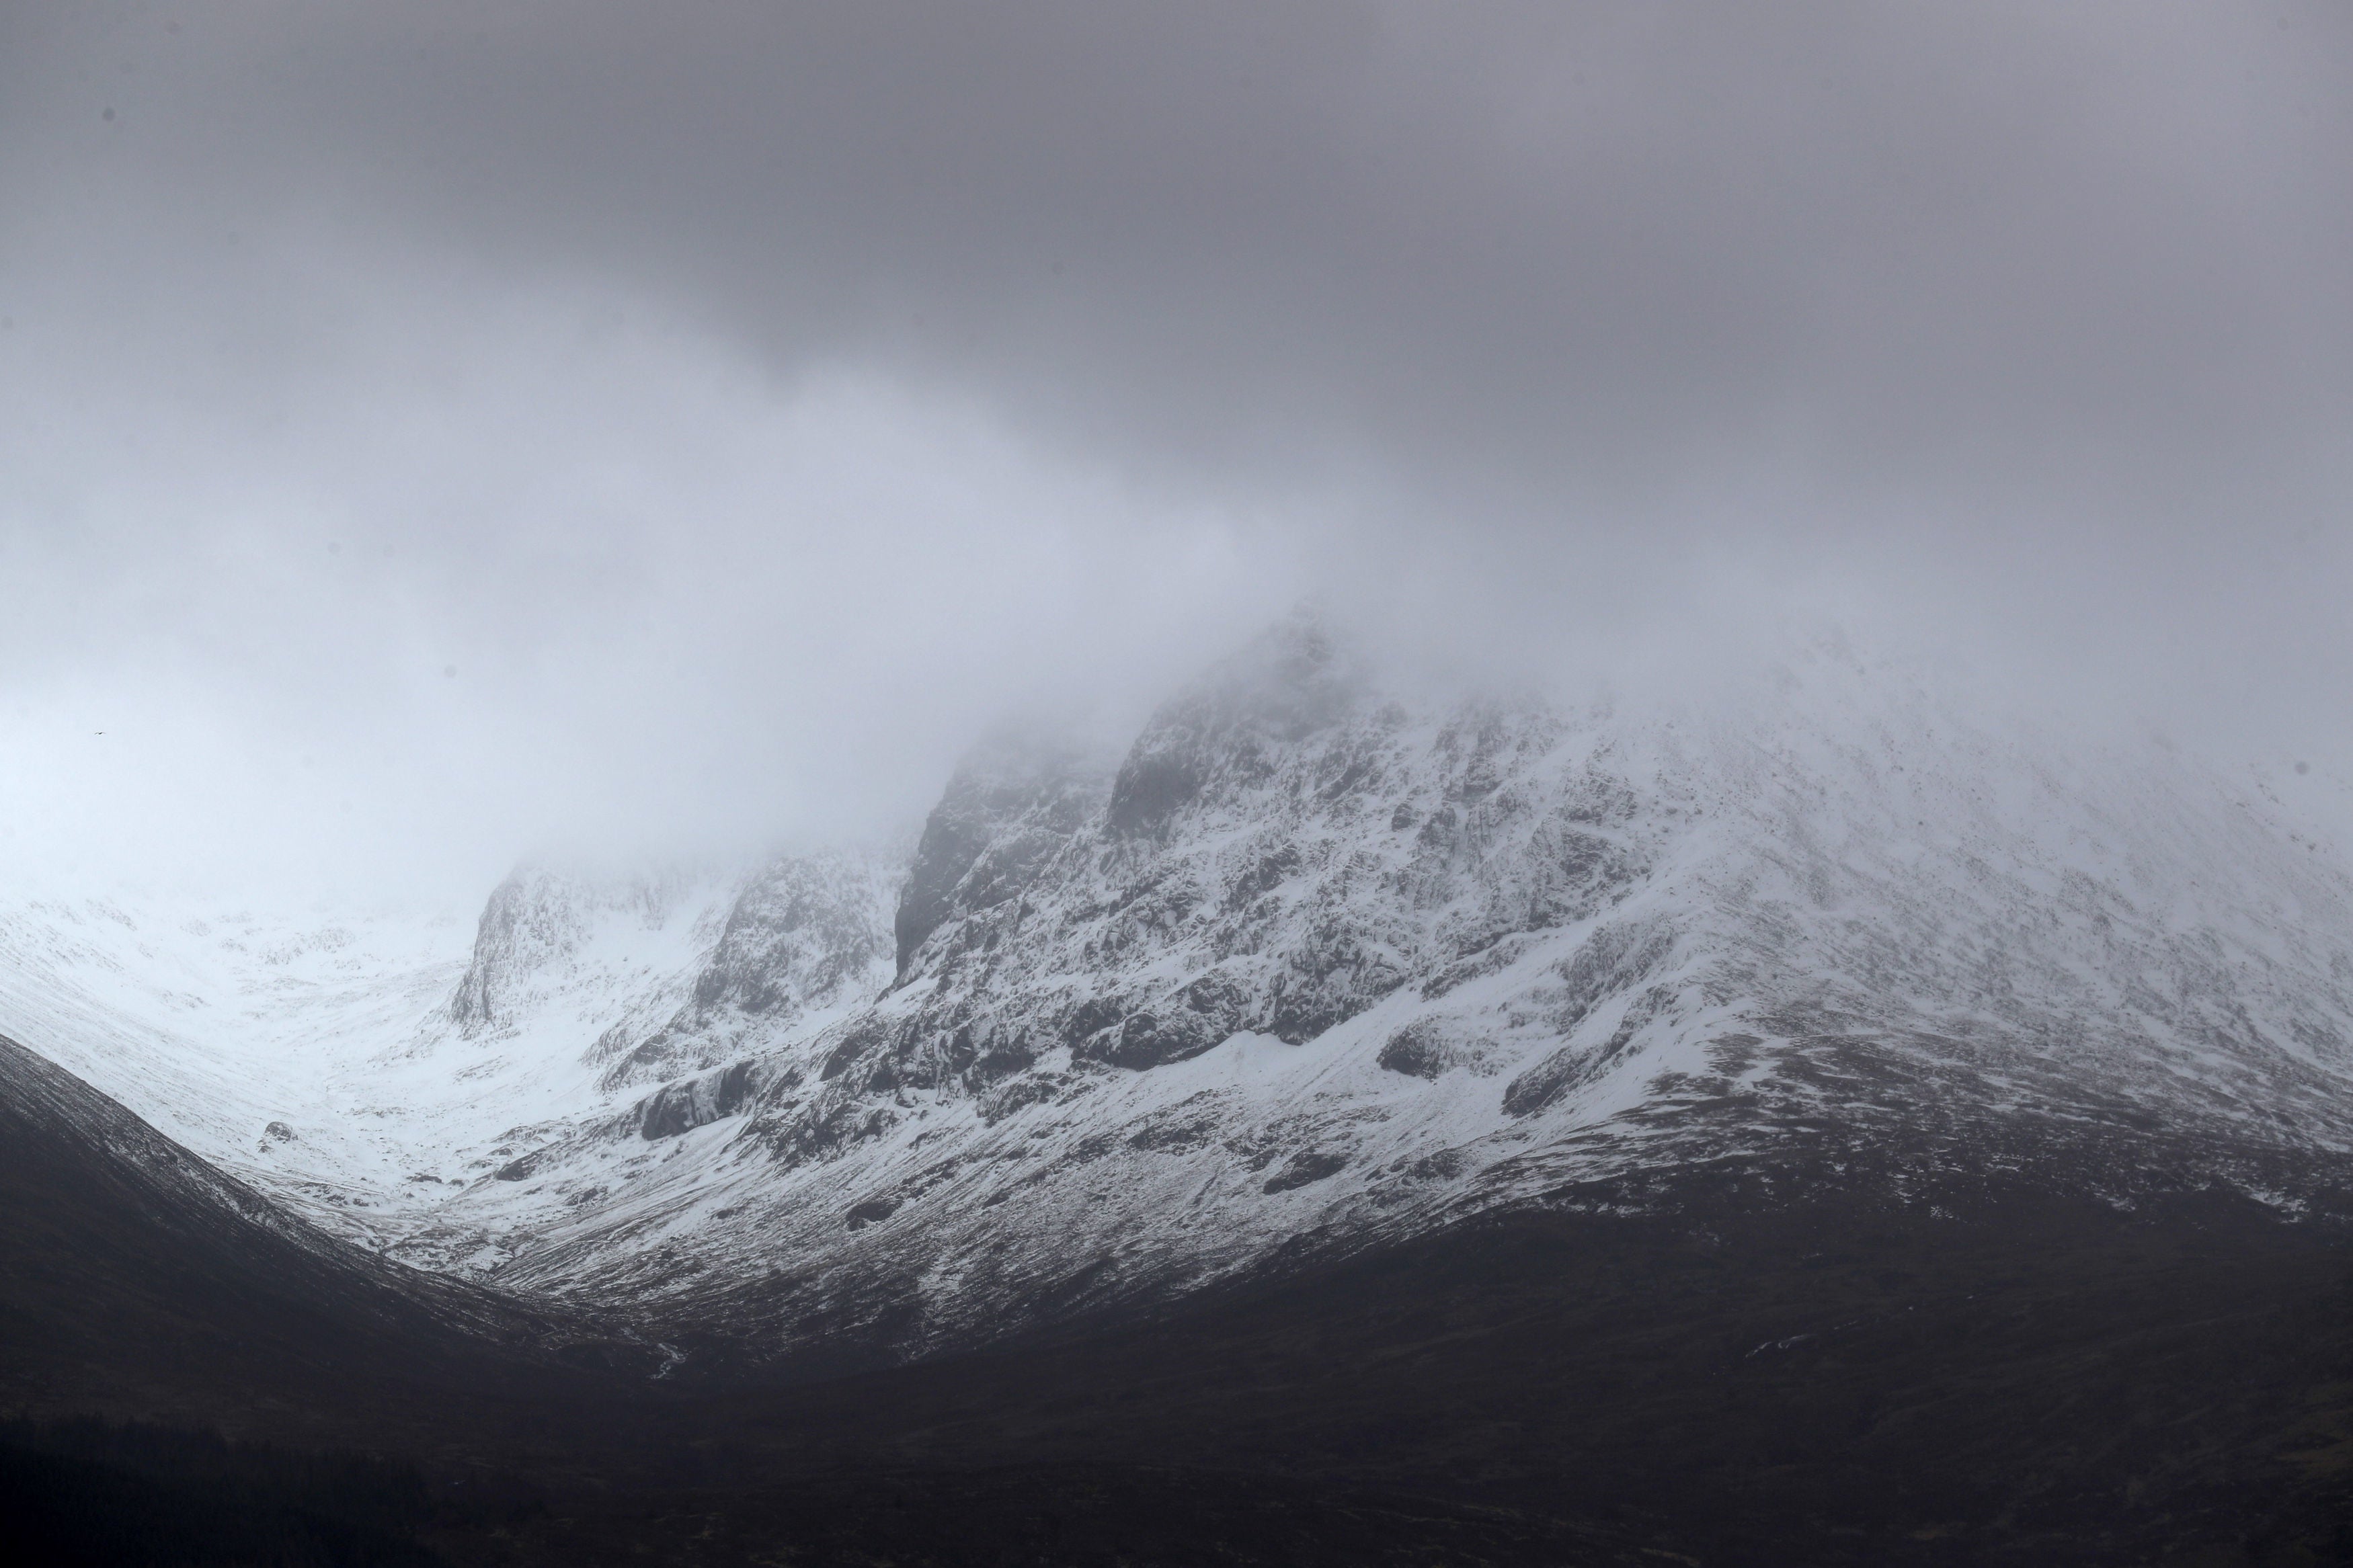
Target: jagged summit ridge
<point>1363,967</point>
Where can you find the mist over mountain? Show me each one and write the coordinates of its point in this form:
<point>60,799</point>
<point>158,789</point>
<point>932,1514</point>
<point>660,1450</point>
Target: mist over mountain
<point>434,437</point>
<point>1331,783</point>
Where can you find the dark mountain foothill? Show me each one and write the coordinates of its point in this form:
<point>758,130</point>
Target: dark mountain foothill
<point>1782,1371</point>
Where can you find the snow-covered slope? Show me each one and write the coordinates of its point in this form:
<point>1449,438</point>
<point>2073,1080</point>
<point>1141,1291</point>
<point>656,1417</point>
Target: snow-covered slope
<point>1312,965</point>
<point>749,964</point>
<point>244,1036</point>
<point>370,1066</point>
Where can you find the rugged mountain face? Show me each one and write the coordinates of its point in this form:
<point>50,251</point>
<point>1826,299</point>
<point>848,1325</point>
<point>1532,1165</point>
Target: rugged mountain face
<point>543,926</point>
<point>1013,804</point>
<point>1313,967</point>
<point>1805,1127</point>
<point>805,937</point>
<point>1310,968</point>
<point>743,964</point>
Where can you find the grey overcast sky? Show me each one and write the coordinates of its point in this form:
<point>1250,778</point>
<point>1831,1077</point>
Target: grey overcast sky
<point>430,430</point>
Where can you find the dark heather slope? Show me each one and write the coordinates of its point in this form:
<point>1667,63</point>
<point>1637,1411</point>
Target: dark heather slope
<point>139,1284</point>
<point>1740,1365</point>
<point>1748,1366</point>
<point>137,1280</point>
<point>1770,1365</point>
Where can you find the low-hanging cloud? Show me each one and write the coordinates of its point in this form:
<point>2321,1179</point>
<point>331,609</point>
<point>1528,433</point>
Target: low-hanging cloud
<point>747,400</point>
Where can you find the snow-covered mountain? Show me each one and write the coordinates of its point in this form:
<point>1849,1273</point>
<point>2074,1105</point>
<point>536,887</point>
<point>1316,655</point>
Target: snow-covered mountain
<point>367,1067</point>
<point>1312,965</point>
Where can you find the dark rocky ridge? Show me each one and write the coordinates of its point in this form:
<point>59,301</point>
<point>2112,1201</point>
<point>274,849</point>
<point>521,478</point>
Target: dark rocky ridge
<point>1011,805</point>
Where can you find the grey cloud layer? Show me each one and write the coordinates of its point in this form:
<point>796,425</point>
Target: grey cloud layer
<point>2036,315</point>
<point>1589,241</point>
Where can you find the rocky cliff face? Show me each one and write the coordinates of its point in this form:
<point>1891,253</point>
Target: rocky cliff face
<point>805,937</point>
<point>1311,966</point>
<point>1013,804</point>
<point>1280,852</point>
<point>554,938</point>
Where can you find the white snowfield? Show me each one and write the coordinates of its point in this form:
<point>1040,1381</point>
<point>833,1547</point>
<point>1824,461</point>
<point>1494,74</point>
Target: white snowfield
<point>367,1067</point>
<point>1307,966</point>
